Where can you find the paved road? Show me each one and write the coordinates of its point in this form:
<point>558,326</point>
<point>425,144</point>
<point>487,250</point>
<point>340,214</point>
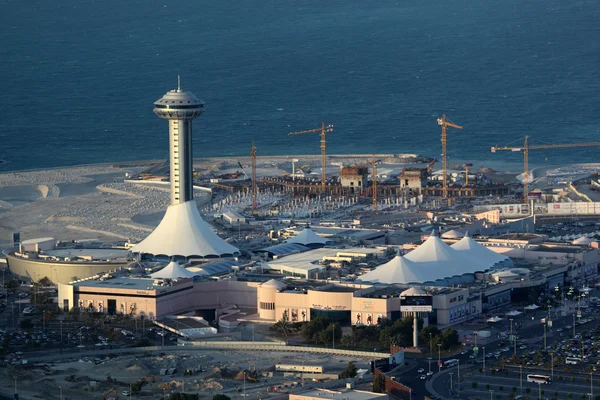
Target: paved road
<point>533,333</point>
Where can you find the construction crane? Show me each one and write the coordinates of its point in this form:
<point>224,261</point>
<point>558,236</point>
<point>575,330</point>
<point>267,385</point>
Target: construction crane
<point>254,185</point>
<point>373,164</point>
<point>467,165</point>
<point>526,147</point>
<point>244,172</point>
<point>323,131</point>
<point>111,395</point>
<point>445,123</point>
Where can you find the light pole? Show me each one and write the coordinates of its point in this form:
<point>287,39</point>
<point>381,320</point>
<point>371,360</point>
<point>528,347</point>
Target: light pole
<point>61,337</point>
<point>439,357</point>
<point>515,346</point>
<point>573,325</point>
<point>552,363</point>
<point>521,374</point>
<point>540,390</point>
<point>483,347</point>
<point>592,385</point>
<point>458,374</point>
<point>544,335</point>
<point>429,359</point>
<point>491,395</point>
<point>60,387</point>
<point>430,346</point>
<point>15,387</point>
<point>511,326</point>
<point>451,383</point>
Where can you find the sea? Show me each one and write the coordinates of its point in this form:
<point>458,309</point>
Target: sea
<point>78,78</point>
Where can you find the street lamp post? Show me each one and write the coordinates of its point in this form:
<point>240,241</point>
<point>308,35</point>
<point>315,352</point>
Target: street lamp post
<point>60,387</point>
<point>451,383</point>
<point>430,345</point>
<point>540,390</point>
<point>511,326</point>
<point>552,363</point>
<point>545,335</point>
<point>483,347</point>
<point>491,395</point>
<point>592,384</point>
<point>521,375</point>
<point>439,357</point>
<point>429,359</point>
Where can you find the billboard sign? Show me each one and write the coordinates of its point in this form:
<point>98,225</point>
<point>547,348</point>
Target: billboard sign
<point>416,303</point>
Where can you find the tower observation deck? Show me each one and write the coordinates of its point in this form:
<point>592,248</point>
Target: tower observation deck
<point>180,108</point>
<point>182,231</point>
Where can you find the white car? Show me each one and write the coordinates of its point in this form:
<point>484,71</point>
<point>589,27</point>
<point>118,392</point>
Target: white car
<point>429,373</point>
<point>421,370</point>
<point>423,377</point>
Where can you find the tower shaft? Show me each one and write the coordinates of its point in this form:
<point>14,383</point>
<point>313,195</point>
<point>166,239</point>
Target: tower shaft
<point>180,138</point>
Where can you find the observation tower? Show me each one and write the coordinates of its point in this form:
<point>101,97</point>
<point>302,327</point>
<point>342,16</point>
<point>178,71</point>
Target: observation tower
<point>182,231</point>
<point>180,109</point>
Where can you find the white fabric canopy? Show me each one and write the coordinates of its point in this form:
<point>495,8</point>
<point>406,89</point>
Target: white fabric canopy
<point>399,270</point>
<point>532,307</point>
<point>443,259</point>
<point>308,237</point>
<point>453,234</point>
<point>432,261</point>
<point>480,254</point>
<point>495,318</point>
<point>584,240</point>
<point>513,313</point>
<point>173,271</point>
<point>183,232</point>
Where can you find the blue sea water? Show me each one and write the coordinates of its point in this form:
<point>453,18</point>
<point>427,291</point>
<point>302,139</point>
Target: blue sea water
<point>78,78</point>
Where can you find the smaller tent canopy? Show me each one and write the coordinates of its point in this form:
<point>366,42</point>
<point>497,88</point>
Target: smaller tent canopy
<point>399,270</point>
<point>453,234</point>
<point>483,255</point>
<point>274,284</point>
<point>532,307</point>
<point>173,271</point>
<point>309,238</point>
<point>494,319</point>
<point>513,313</point>
<point>582,241</point>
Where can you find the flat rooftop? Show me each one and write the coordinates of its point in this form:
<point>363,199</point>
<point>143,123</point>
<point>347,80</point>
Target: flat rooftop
<point>96,254</point>
<point>120,283</point>
<point>310,259</point>
<point>337,289</point>
<point>338,395</point>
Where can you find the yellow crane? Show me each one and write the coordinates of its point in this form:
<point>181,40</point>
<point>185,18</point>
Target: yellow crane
<point>526,147</point>
<point>374,179</point>
<point>467,165</point>
<point>254,185</point>
<point>323,132</point>
<point>445,123</point>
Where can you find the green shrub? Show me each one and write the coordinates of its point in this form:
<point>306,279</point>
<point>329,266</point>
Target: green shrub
<point>474,385</point>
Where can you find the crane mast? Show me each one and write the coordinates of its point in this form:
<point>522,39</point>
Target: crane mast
<point>323,134</point>
<point>526,147</point>
<point>374,179</point>
<point>254,185</point>
<point>445,123</point>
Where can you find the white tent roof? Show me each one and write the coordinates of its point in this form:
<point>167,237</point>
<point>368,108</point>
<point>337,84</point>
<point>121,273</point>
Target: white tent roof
<point>495,318</point>
<point>582,241</point>
<point>173,271</point>
<point>399,270</point>
<point>453,234</point>
<point>183,232</point>
<point>434,260</point>
<point>513,313</point>
<point>308,237</point>
<point>532,307</point>
<point>478,252</point>
<point>443,259</point>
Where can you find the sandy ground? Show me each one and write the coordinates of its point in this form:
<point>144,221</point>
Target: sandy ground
<point>79,202</point>
<point>94,202</point>
<point>220,372</point>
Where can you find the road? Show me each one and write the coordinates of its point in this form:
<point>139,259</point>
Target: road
<point>533,333</point>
